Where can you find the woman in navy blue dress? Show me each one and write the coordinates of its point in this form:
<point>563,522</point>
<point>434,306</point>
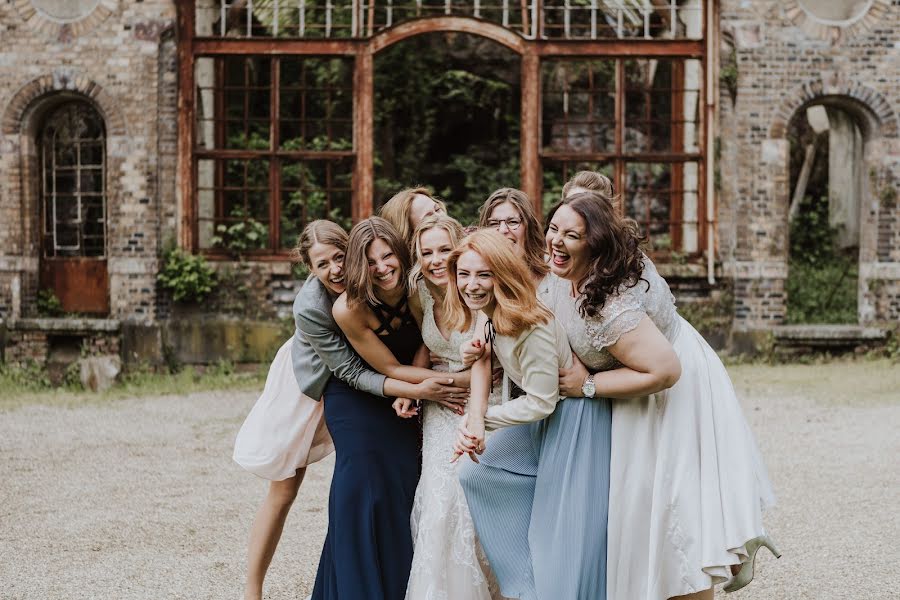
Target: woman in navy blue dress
<point>368,549</point>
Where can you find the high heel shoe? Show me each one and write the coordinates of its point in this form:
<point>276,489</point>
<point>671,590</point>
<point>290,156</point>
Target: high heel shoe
<point>745,575</point>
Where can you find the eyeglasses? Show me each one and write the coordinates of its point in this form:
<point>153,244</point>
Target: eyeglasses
<point>512,224</point>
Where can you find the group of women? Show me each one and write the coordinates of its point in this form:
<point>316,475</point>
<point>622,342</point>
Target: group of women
<point>516,413</point>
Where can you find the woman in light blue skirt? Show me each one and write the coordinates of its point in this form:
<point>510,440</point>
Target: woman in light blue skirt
<point>538,493</point>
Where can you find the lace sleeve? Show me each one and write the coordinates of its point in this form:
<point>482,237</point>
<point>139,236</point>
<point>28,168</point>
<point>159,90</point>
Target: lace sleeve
<point>621,314</point>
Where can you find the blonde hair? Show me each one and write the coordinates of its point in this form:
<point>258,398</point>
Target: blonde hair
<point>534,236</point>
<point>319,231</point>
<point>517,306</point>
<point>454,232</point>
<point>356,264</point>
<point>591,181</point>
<point>396,210</point>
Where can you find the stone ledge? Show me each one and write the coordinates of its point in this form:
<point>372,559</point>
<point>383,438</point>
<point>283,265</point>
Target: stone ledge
<point>828,335</point>
<point>64,325</point>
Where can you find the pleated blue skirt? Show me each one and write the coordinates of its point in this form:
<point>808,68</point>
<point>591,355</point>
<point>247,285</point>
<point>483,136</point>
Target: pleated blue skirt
<point>540,500</point>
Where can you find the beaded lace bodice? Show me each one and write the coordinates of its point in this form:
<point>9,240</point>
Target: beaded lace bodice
<point>591,336</point>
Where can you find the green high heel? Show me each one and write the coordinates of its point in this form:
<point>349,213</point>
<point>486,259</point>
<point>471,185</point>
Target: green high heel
<point>745,575</point>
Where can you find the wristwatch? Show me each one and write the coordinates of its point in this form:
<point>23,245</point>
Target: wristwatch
<point>587,388</point>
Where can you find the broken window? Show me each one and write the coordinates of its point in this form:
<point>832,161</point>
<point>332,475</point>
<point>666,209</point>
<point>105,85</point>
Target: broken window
<point>73,159</point>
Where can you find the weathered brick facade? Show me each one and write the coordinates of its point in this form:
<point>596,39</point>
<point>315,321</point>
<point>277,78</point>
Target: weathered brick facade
<point>123,59</point>
<point>786,61</point>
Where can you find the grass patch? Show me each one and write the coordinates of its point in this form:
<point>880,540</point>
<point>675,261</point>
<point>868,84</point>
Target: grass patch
<point>21,386</point>
<point>838,381</point>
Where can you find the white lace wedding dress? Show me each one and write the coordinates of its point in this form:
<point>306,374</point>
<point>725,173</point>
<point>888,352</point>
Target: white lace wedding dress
<point>448,562</point>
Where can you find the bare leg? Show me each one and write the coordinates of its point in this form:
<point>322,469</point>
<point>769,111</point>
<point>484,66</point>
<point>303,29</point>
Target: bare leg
<point>704,595</point>
<point>266,531</point>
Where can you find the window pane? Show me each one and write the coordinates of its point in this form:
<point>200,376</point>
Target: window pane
<point>578,106</point>
<point>557,173</point>
<point>73,186</point>
<point>316,103</point>
<point>664,199</point>
<point>233,102</point>
<point>233,204</point>
<point>315,189</point>
<point>661,105</point>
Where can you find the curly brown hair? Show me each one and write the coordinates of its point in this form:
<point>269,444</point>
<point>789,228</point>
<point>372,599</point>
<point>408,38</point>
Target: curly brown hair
<point>617,260</point>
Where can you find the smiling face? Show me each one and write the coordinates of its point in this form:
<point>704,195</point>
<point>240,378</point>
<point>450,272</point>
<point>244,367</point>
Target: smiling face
<point>435,246</point>
<point>421,208</point>
<point>506,219</point>
<point>475,281</point>
<point>327,264</point>
<point>567,244</point>
<point>384,266</point>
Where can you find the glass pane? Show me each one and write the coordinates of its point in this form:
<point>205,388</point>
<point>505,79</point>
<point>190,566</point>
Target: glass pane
<point>661,105</point>
<point>557,173</point>
<point>91,154</point>
<point>578,106</point>
<point>314,189</point>
<point>91,181</point>
<point>316,103</point>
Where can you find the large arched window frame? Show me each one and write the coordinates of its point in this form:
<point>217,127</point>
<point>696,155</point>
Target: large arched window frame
<point>73,182</point>
<point>624,87</point>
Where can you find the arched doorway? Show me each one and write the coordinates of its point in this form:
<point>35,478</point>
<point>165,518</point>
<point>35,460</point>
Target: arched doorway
<point>828,183</point>
<point>72,162</point>
<point>447,113</point>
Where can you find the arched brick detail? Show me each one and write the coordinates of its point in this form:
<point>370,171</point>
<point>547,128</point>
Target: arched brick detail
<point>836,86</point>
<point>61,30</point>
<point>60,81</point>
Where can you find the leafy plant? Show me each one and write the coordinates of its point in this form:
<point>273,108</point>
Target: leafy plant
<point>822,279</point>
<point>48,305</point>
<point>188,277</point>
<point>242,235</point>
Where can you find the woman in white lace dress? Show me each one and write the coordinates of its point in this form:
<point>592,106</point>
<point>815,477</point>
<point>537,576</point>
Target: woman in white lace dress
<point>687,483</point>
<point>448,563</point>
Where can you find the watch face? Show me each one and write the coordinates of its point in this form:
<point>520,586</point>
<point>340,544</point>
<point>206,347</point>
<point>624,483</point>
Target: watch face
<point>588,389</point>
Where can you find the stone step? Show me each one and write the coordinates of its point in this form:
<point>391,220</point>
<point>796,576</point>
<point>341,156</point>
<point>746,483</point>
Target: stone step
<point>828,336</point>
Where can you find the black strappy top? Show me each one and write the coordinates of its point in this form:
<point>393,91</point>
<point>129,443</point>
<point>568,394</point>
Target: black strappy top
<point>398,330</point>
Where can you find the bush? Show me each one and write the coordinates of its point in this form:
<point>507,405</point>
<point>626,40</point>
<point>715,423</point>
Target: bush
<point>822,280</point>
<point>188,277</point>
<point>48,305</point>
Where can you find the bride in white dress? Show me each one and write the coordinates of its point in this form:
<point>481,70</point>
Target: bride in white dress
<point>448,562</point>
<point>687,482</point>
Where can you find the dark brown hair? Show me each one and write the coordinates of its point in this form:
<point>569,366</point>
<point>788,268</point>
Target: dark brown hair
<point>356,264</point>
<point>614,241</point>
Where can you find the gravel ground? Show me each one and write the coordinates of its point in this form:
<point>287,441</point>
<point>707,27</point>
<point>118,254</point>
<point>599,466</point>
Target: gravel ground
<point>139,498</point>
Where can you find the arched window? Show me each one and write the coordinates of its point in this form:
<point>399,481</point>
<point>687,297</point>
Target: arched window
<point>73,191</point>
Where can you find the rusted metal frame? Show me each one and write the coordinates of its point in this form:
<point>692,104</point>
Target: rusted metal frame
<point>487,29</point>
<point>618,48</point>
<point>186,165</point>
<point>655,157</point>
<point>590,92</point>
<point>274,162</point>
<point>261,46</point>
<point>286,154</point>
<point>708,94</point>
<point>619,164</point>
<point>363,131</point>
<point>219,125</point>
<point>303,119</point>
<point>529,145</point>
<point>676,178</point>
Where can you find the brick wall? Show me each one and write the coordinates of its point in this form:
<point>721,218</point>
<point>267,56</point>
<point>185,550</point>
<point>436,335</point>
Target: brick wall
<point>785,61</point>
<point>112,58</point>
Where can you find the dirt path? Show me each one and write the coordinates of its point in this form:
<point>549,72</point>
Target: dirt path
<point>139,499</point>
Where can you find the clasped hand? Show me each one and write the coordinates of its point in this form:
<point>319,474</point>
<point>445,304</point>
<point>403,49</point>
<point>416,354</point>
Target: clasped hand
<point>469,440</point>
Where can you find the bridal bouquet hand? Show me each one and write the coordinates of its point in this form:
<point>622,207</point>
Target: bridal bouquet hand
<point>470,438</point>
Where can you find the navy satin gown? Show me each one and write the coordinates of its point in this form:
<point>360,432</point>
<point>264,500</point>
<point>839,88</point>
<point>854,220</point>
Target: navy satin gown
<point>368,549</point>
